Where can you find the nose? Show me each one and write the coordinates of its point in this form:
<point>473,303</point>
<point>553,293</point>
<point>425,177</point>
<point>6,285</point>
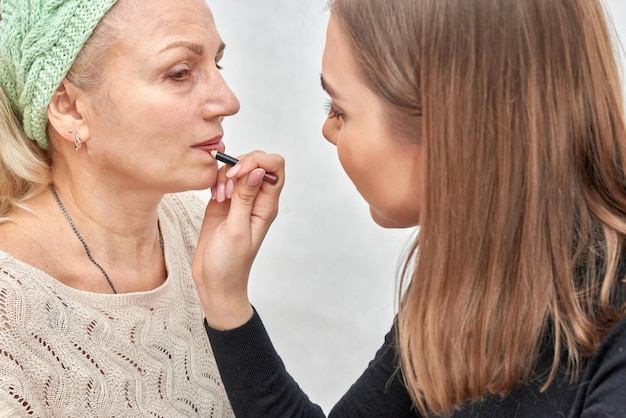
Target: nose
<point>231,102</point>
<point>221,99</point>
<point>329,130</point>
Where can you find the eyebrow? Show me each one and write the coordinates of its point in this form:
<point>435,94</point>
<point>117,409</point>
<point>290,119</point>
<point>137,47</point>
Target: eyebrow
<point>193,47</point>
<point>327,88</point>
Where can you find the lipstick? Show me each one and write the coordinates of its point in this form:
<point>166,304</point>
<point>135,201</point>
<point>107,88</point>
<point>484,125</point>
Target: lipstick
<point>227,159</point>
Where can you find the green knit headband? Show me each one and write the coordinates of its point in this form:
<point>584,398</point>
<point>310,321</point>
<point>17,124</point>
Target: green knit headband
<point>39,41</point>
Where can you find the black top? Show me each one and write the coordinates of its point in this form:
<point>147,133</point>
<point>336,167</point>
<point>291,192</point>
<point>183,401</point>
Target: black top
<point>258,384</point>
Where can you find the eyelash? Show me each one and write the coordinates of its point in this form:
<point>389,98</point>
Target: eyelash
<point>179,75</point>
<point>332,112</point>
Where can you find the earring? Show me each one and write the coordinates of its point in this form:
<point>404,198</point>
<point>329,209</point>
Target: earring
<point>77,142</point>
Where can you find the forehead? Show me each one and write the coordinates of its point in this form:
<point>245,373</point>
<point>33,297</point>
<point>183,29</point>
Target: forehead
<point>337,56</point>
<point>340,73</point>
<point>144,23</point>
<point>336,45</point>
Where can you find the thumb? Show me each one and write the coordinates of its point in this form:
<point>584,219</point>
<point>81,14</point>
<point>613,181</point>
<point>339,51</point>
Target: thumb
<point>244,195</point>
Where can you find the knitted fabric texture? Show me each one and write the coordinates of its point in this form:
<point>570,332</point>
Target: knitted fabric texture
<point>70,353</point>
<point>39,41</point>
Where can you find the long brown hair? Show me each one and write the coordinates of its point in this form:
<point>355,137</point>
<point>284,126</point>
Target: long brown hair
<point>524,221</point>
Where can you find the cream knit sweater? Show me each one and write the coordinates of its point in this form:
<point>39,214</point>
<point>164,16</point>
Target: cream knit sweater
<point>71,353</point>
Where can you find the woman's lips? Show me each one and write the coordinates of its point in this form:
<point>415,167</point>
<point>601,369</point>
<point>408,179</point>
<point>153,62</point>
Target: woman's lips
<point>209,146</point>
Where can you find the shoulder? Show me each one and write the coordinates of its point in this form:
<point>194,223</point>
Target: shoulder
<point>19,276</point>
<point>26,296</point>
<point>612,352</point>
<point>602,390</point>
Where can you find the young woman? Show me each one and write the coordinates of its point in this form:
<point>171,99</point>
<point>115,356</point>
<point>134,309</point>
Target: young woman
<point>114,109</point>
<point>503,132</point>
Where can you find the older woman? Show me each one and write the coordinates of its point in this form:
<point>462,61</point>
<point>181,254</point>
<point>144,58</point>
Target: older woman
<point>114,110</point>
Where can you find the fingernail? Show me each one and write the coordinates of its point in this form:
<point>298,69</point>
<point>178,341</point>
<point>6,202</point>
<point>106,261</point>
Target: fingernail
<point>221,192</point>
<point>233,171</point>
<point>256,177</point>
<point>230,186</point>
<point>213,193</point>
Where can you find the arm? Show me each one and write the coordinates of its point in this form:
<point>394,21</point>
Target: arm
<point>258,384</point>
<point>380,391</point>
<point>253,373</point>
<point>255,377</point>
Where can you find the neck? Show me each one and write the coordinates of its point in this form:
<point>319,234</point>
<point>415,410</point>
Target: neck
<point>118,233</point>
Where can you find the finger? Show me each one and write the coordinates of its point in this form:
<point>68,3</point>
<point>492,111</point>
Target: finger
<point>214,214</point>
<point>230,187</point>
<point>273,164</point>
<point>244,194</point>
<point>219,189</point>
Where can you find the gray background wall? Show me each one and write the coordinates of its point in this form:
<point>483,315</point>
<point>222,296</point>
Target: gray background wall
<point>324,281</point>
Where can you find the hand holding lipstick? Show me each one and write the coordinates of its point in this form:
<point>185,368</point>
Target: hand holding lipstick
<point>227,159</point>
<point>243,206</point>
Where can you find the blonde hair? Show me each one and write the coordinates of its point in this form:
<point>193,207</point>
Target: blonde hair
<point>523,225</point>
<point>25,168</point>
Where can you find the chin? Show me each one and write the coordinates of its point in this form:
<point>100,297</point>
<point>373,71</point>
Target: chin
<point>193,183</point>
<point>202,180</point>
<point>392,222</point>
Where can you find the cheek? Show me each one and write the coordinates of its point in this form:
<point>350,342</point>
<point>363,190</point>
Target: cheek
<point>143,112</point>
<point>157,125</point>
<point>351,161</point>
<point>410,194</point>
<point>393,188</point>
<point>409,206</point>
<point>398,206</point>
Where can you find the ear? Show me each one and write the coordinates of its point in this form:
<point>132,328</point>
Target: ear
<point>65,115</point>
